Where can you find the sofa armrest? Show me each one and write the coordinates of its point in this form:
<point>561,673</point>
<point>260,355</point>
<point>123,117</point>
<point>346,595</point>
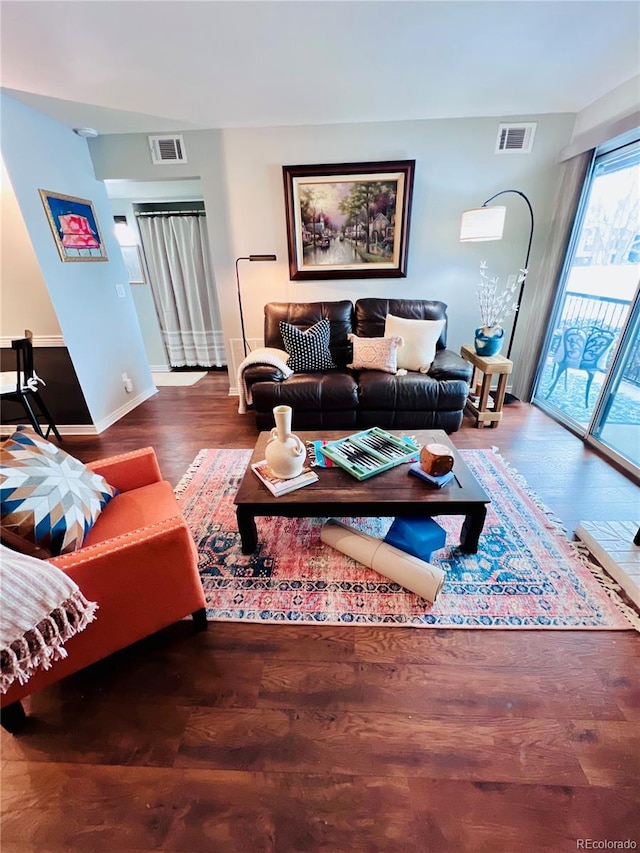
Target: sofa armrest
<point>448,365</point>
<point>129,470</point>
<point>142,580</point>
<point>262,373</point>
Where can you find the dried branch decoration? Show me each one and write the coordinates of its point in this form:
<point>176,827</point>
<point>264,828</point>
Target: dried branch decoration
<point>496,305</point>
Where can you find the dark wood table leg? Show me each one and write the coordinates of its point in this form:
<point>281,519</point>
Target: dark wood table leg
<point>200,619</point>
<point>247,529</point>
<point>471,530</point>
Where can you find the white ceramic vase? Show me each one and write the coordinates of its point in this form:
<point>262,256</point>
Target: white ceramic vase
<point>285,453</point>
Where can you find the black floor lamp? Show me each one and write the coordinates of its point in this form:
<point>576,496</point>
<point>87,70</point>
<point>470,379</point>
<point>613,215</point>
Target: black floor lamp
<point>487,223</point>
<point>248,258</point>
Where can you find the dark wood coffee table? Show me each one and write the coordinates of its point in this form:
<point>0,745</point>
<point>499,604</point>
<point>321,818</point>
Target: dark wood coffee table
<point>393,493</point>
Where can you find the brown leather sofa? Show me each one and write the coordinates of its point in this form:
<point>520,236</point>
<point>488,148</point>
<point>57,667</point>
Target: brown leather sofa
<point>344,398</point>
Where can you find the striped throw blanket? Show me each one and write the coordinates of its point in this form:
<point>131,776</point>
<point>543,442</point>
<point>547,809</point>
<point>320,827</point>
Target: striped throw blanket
<point>265,355</point>
<point>41,609</point>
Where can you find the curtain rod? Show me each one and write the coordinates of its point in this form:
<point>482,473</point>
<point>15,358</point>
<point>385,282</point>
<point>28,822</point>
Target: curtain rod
<point>171,213</point>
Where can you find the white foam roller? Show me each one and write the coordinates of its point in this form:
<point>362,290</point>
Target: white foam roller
<point>415,575</point>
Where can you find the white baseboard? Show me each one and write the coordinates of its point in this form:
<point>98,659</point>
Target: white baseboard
<point>38,340</point>
<point>93,429</point>
<point>129,406</point>
<point>63,429</point>
<point>159,368</point>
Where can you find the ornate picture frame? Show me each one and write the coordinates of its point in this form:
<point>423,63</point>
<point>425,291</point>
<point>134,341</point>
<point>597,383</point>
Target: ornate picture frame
<point>74,226</point>
<point>348,220</point>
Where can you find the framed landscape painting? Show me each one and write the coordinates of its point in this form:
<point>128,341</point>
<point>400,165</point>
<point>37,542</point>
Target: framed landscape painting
<point>74,227</point>
<point>348,220</point>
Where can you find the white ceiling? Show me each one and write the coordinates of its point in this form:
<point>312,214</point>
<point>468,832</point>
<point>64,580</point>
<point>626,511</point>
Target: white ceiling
<point>160,65</point>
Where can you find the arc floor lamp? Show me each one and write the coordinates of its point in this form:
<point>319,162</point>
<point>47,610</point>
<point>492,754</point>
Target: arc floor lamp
<point>487,223</point>
<point>247,258</point>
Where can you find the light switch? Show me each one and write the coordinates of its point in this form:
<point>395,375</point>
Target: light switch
<point>120,290</point>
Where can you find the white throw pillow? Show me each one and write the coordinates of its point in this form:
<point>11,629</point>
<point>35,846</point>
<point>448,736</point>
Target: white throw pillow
<point>420,339</point>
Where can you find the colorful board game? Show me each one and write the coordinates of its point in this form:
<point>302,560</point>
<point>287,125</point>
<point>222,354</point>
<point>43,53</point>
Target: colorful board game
<point>370,452</point>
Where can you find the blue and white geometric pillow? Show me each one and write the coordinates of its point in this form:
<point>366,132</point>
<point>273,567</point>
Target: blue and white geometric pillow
<point>47,496</point>
<point>308,351</point>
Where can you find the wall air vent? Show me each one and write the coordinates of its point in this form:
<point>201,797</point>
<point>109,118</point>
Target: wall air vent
<point>515,138</point>
<point>167,149</point>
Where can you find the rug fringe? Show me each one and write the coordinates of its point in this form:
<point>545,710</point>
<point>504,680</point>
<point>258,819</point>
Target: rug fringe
<point>190,472</point>
<point>609,584</point>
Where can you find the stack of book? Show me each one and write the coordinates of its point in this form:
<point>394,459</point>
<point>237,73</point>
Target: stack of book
<point>475,399</point>
<point>435,482</point>
<point>277,485</point>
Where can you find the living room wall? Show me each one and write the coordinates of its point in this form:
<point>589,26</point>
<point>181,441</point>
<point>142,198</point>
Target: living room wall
<point>25,300</point>
<point>25,305</point>
<point>456,168</point>
<point>100,330</point>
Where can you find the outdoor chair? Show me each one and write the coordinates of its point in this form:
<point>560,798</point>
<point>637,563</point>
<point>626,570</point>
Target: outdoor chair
<point>581,349</point>
<point>21,386</point>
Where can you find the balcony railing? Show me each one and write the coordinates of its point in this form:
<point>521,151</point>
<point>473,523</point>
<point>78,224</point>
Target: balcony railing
<point>585,311</point>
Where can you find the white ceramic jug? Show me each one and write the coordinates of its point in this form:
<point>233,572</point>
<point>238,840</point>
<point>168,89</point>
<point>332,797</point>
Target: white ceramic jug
<point>285,453</point>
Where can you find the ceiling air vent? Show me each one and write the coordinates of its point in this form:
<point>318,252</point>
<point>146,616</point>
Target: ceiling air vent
<point>167,149</point>
<point>515,138</point>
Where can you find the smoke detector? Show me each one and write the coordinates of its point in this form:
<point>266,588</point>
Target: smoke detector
<point>87,132</point>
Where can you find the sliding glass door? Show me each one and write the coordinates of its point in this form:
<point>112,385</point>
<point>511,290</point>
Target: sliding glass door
<point>589,376</point>
<point>616,426</point>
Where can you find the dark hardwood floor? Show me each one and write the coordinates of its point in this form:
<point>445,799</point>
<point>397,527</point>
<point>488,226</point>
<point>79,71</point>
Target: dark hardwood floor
<point>252,738</point>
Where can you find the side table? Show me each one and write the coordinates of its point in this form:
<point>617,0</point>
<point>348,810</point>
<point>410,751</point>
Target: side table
<point>484,369</point>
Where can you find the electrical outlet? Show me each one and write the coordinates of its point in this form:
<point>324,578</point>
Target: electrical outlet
<point>127,382</point>
<point>120,291</point>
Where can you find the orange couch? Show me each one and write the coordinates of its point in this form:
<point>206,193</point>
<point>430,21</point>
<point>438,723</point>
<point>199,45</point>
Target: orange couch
<point>138,562</point>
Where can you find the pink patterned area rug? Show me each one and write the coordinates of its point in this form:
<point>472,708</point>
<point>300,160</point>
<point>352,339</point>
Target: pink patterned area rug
<point>526,573</point>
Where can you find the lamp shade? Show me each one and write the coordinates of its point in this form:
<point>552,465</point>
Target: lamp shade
<point>482,223</point>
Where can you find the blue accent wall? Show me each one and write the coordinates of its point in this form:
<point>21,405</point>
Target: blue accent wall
<point>100,329</point>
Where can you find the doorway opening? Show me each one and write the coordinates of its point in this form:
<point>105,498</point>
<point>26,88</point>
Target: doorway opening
<point>169,195</point>
<point>175,244</point>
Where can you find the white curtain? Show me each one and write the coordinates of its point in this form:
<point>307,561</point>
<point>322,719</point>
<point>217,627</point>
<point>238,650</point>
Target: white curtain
<point>177,253</point>
<point>542,294</point>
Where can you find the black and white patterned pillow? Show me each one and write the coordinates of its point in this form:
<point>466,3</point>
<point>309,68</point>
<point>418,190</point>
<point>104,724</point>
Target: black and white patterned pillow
<point>308,350</point>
